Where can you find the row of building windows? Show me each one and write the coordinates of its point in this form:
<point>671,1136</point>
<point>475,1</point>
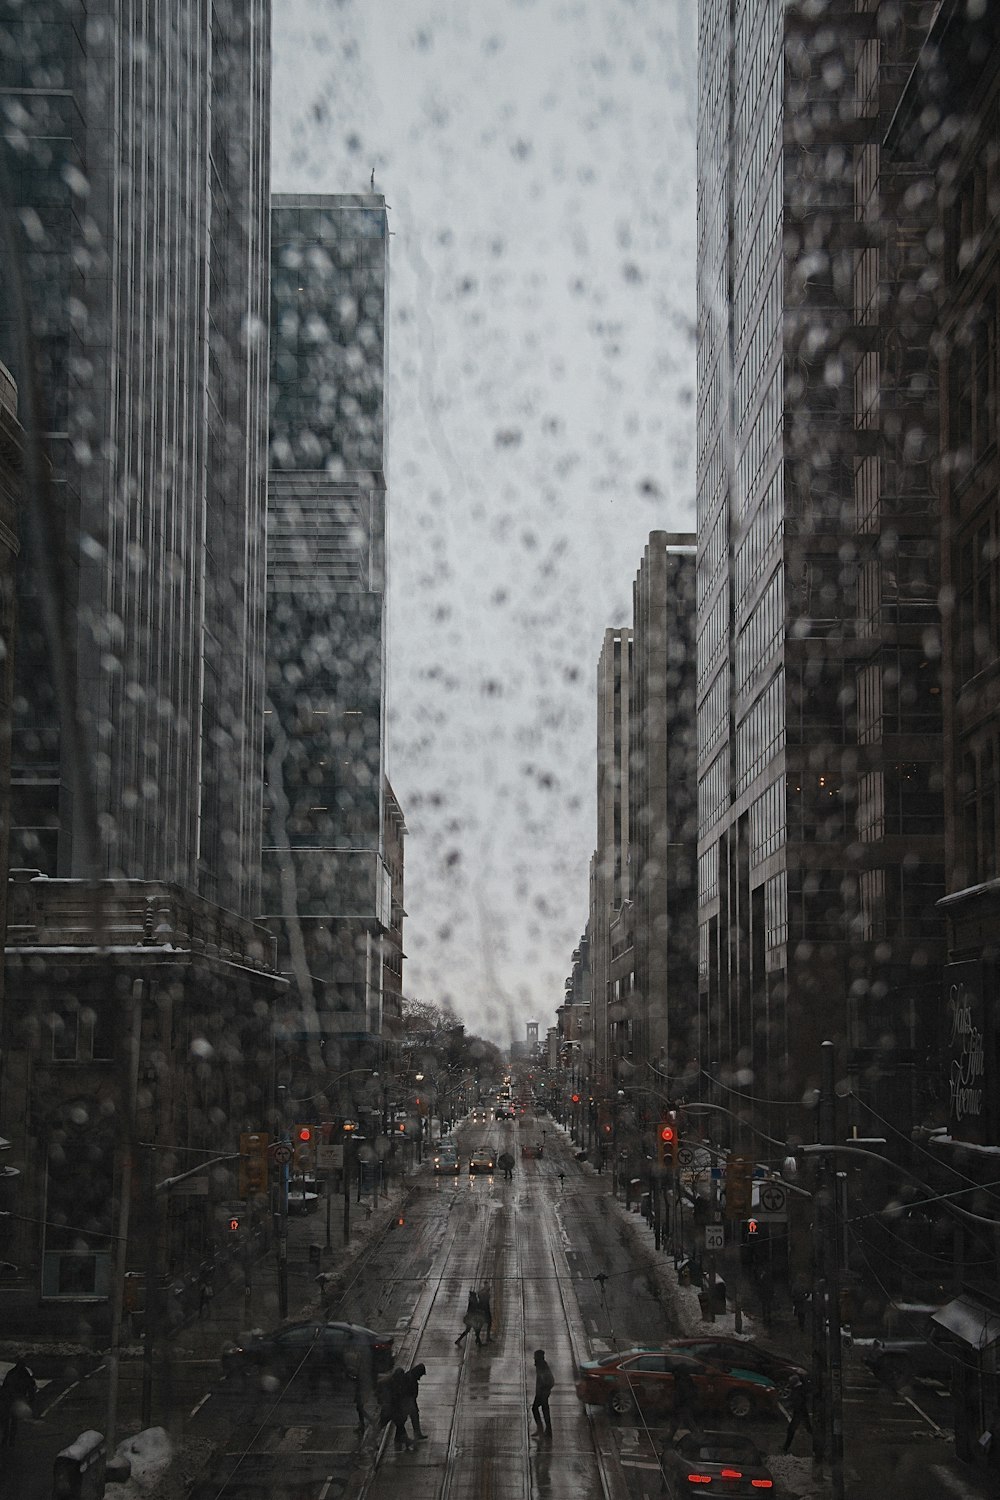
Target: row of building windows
<point>763,249</point>
<point>760,442</point>
<point>713,555</point>
<point>899,693</point>
<point>758,66</point>
<point>713,638</point>
<point>900,585</point>
<point>976,204</point>
<point>763,633</point>
<point>713,716</point>
<point>759,348</point>
<point>972,383</point>
<point>763,530</point>
<point>708,873</point>
<point>904,798</point>
<point>978,597</point>
<point>900,902</point>
<point>713,792</point>
<point>767,823</point>
<point>761,734</point>
<point>979,791</point>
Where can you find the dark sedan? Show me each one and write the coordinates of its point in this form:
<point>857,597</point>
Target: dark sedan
<point>707,1462</point>
<point>741,1354</point>
<point>644,1380</point>
<point>333,1348</point>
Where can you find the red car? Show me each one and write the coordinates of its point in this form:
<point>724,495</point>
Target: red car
<point>643,1380</point>
<point>732,1353</point>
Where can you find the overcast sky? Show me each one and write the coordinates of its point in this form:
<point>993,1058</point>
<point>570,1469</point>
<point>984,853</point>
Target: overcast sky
<point>538,160</point>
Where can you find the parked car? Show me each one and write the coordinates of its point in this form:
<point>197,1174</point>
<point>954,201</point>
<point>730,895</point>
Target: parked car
<point>901,1358</point>
<point>446,1159</point>
<point>728,1462</point>
<point>733,1353</point>
<point>333,1348</point>
<point>643,1379</point>
<point>481,1161</point>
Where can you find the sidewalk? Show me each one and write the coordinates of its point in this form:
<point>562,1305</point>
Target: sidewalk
<point>916,1472</point>
<point>229,1312</point>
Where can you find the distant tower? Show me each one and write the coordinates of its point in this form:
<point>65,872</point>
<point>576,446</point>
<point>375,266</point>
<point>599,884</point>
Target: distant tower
<point>532,1036</point>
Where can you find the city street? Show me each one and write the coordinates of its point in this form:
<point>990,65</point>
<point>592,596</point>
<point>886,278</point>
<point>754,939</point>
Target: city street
<point>566,1273</point>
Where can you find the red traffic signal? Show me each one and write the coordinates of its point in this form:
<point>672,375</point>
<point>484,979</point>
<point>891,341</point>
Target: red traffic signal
<point>752,1226</point>
<point>575,1098</point>
<point>304,1134</point>
<point>667,1142</point>
<point>234,1225</point>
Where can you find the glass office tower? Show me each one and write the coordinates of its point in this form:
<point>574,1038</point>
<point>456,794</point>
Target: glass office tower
<point>818,637</point>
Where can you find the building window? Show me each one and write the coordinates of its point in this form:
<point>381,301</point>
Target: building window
<point>979,590</point>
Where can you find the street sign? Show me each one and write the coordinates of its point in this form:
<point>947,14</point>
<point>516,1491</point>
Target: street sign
<point>281,1153</point>
<point>685,1156</point>
<point>772,1198</point>
<point>330,1156</point>
<point>715,1237</point>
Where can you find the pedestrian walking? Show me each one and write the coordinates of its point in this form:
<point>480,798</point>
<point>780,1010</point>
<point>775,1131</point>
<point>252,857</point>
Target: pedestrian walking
<point>473,1319</point>
<point>17,1398</point>
<point>408,1387</point>
<point>206,1292</point>
<point>361,1365</point>
<point>486,1310</point>
<point>506,1162</point>
<point>544,1381</point>
<point>765,1292</point>
<point>798,1409</point>
<point>393,1407</point>
<point>684,1404</point>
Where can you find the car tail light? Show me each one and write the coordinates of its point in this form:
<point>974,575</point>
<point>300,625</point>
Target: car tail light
<point>699,1479</point>
<point>762,1484</point>
<point>732,1473</point>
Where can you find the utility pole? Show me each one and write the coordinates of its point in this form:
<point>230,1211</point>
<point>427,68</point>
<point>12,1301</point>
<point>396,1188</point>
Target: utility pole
<point>126,1158</point>
<point>828,1429</point>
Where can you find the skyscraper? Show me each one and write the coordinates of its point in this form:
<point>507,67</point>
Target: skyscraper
<point>818,638</point>
<point>134,169</point>
<point>662,800</point>
<point>136,153</point>
<point>327,887</point>
<point>610,870</point>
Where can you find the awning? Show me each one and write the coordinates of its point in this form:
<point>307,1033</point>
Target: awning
<point>968,1322</point>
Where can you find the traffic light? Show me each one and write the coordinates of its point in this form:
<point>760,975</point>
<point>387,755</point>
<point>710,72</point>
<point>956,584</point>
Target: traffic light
<point>253,1163</point>
<point>666,1141</point>
<point>234,1225</point>
<point>303,1142</point>
<point>739,1187</point>
<point>575,1098</point>
<point>604,1122</point>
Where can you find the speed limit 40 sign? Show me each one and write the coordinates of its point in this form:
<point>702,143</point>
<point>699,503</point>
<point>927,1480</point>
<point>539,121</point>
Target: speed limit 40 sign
<point>715,1237</point>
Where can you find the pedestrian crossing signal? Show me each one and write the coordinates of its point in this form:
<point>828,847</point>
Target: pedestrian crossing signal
<point>234,1225</point>
<point>752,1226</point>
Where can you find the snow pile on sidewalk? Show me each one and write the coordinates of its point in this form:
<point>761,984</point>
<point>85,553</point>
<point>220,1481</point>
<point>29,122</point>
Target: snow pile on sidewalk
<point>149,1454</point>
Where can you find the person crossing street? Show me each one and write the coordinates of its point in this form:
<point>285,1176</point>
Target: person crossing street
<point>544,1381</point>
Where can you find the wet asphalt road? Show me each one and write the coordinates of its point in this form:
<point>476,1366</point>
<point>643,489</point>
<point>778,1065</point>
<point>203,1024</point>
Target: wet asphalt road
<point>564,1275</point>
